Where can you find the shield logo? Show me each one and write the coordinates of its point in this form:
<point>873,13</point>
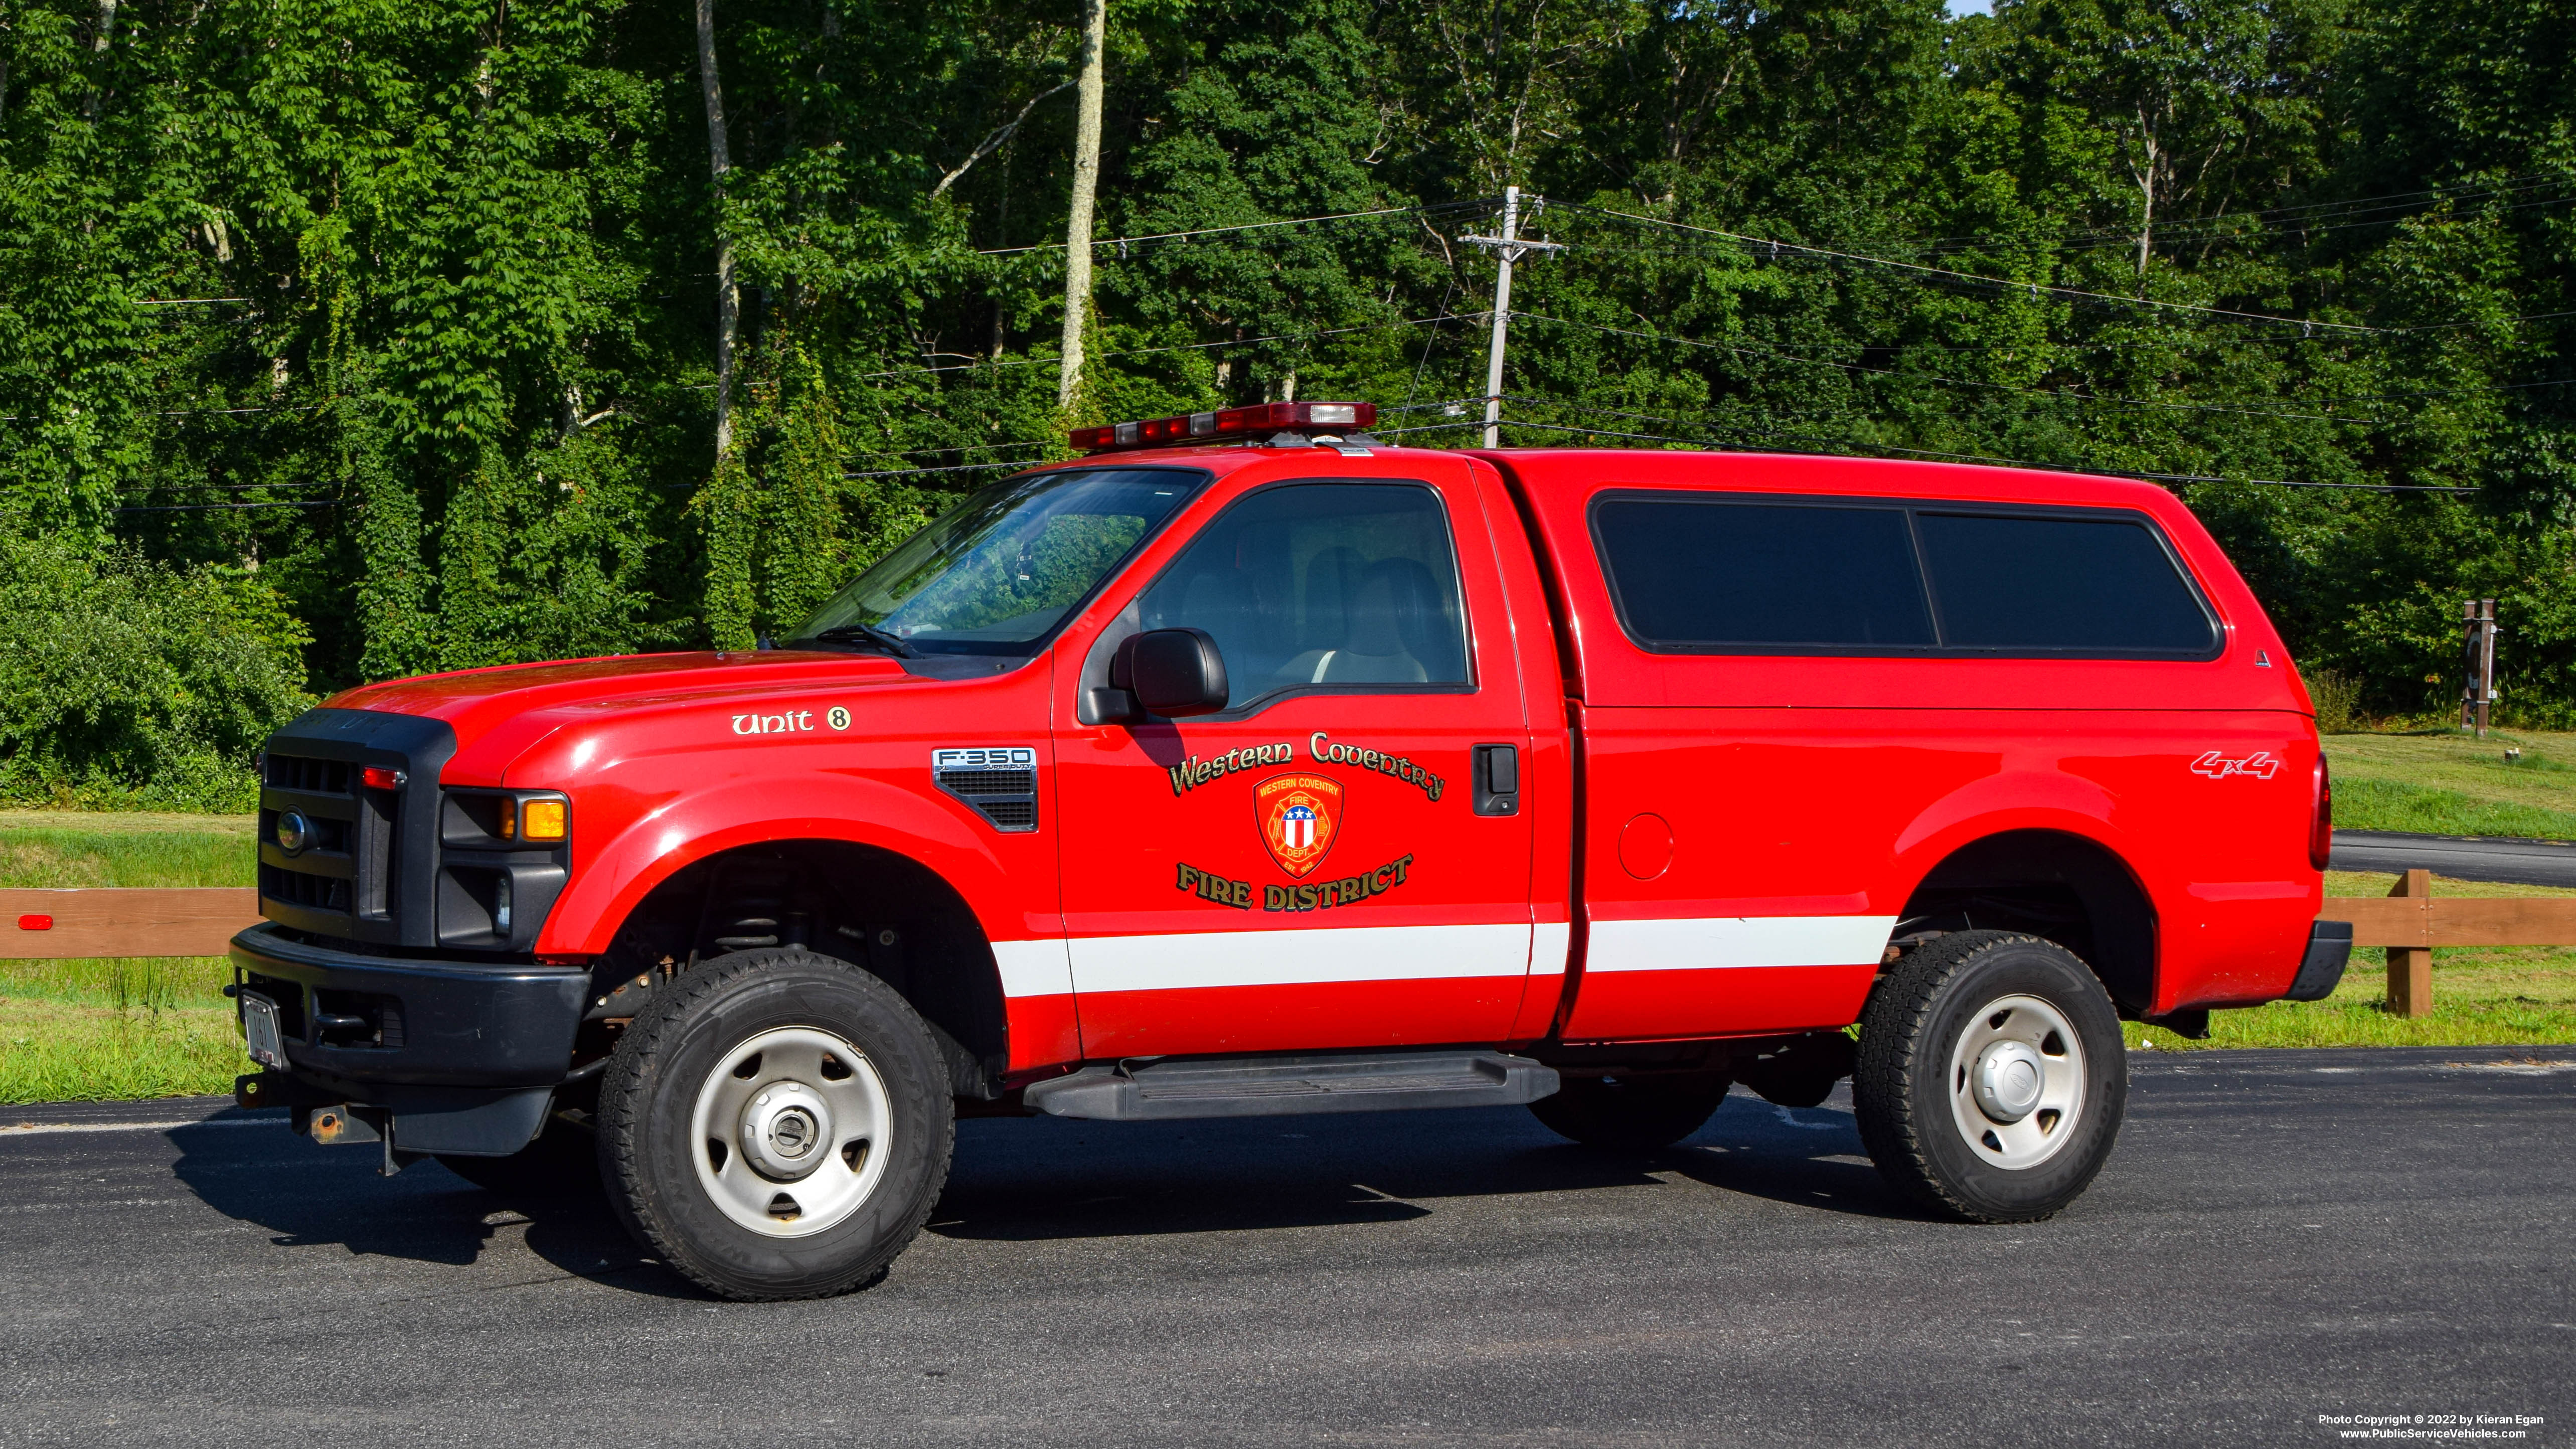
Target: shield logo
<point>1298,815</point>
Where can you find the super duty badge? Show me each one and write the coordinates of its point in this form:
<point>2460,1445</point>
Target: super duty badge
<point>999,781</point>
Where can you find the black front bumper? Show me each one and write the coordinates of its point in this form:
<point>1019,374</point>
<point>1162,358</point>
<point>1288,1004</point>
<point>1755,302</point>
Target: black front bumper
<point>461,1055</point>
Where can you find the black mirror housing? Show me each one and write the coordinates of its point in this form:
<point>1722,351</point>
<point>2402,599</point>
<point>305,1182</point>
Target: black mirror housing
<point>1174,673</point>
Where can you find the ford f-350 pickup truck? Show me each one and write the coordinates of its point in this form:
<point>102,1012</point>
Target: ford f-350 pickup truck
<point>1251,765</point>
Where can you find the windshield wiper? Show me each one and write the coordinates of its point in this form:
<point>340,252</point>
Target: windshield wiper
<point>884,639</point>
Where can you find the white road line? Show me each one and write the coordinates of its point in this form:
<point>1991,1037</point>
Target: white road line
<point>64,1207</point>
<point>34,1129</point>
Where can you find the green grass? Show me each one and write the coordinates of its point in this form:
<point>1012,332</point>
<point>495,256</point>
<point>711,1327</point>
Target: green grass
<point>46,848</point>
<point>2482,996</point>
<point>114,1030</point>
<point>2442,782</point>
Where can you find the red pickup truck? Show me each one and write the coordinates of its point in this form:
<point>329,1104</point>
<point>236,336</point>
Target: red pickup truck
<point>1252,765</point>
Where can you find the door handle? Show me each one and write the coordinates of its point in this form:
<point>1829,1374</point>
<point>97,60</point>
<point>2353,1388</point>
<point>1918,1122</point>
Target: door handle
<point>1497,785</point>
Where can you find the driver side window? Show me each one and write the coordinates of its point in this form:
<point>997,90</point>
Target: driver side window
<point>1350,587</point>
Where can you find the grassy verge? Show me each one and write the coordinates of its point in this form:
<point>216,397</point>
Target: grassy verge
<point>2482,996</point>
<point>56,849</point>
<point>114,1030</point>
<point>111,1030</point>
<point>2441,782</point>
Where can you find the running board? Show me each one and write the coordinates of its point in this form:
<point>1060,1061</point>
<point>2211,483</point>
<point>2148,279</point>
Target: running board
<point>1164,1089</point>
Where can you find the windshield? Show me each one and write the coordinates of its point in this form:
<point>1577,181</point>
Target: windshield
<point>997,573</point>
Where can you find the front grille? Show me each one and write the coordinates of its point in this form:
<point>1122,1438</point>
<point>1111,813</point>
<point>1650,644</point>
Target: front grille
<point>1011,814</point>
<point>355,861</point>
<point>291,772</point>
<point>312,892</point>
<point>989,782</point>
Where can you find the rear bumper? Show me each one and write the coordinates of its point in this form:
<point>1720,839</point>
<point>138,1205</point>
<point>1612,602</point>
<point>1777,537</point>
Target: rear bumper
<point>2321,970</point>
<point>363,1024</point>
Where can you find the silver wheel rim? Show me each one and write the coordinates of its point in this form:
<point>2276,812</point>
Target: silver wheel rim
<point>789,1134</point>
<point>2017,1082</point>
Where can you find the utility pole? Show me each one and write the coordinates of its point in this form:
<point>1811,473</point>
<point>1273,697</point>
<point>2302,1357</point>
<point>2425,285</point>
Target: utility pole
<point>1086,186</point>
<point>2478,623</point>
<point>1507,249</point>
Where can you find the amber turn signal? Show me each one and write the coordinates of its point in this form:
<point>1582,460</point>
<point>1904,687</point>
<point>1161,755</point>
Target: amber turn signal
<point>544,819</point>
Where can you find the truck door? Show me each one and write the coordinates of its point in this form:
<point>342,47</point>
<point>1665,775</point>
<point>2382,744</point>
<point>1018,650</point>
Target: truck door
<point>1316,866</point>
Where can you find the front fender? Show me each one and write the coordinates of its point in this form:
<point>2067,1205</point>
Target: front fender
<point>649,840</point>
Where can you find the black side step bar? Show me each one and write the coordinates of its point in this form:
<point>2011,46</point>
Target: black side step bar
<point>1164,1089</point>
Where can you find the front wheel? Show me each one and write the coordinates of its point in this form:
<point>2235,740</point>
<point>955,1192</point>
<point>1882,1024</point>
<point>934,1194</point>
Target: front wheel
<point>776,1125</point>
<point>1991,1078</point>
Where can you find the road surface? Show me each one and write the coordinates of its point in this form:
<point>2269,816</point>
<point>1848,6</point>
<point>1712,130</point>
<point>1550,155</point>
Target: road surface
<point>2282,1235</point>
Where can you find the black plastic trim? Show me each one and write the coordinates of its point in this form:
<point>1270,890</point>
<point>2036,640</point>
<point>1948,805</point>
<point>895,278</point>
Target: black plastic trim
<point>397,909</point>
<point>2321,969</point>
<point>464,1024</point>
<point>1913,508</point>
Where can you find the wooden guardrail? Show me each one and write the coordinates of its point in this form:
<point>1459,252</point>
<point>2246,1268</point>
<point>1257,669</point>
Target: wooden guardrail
<point>50,925</point>
<point>2408,923</point>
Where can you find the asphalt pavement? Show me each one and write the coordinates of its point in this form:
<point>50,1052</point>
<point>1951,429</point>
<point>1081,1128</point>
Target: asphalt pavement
<point>2462,857</point>
<point>2281,1235</point>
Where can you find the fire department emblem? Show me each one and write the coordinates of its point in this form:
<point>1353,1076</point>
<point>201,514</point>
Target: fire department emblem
<point>1298,816</point>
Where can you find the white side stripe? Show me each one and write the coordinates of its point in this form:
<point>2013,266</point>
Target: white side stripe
<point>1548,949</point>
<point>1705,943</point>
<point>1298,958</point>
<point>1034,968</point>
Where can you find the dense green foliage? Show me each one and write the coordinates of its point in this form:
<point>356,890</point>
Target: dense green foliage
<point>126,683</point>
<point>401,314</point>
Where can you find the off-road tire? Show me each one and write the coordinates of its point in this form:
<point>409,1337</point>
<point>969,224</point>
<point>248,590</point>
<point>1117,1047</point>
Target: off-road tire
<point>1903,1088</point>
<point>1630,1114</point>
<point>667,1060</point>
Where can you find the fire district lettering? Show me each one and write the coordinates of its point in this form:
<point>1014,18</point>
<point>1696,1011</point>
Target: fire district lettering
<point>1336,753</point>
<point>1349,890</point>
<point>1208,886</point>
<point>1193,772</point>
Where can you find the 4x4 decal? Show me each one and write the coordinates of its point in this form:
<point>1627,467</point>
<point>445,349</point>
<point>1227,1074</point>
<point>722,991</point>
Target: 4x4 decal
<point>2262,765</point>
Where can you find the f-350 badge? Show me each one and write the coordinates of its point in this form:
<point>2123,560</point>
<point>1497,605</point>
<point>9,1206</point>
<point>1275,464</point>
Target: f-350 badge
<point>1299,815</point>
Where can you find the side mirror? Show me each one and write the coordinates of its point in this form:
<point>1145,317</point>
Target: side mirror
<point>1174,673</point>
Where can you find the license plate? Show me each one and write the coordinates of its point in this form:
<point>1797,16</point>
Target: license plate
<point>259,1028</point>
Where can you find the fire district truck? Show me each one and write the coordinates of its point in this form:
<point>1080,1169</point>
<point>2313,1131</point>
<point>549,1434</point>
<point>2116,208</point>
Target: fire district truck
<point>1252,765</point>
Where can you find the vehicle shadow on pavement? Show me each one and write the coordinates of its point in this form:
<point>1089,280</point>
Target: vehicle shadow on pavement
<point>1044,1178</point>
<point>309,1196</point>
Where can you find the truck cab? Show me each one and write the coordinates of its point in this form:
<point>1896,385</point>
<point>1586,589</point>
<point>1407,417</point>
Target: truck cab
<point>1252,765</point>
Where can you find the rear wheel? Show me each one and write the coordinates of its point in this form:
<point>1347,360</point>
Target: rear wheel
<point>1992,1078</point>
<point>1631,1114</point>
<point>776,1125</point>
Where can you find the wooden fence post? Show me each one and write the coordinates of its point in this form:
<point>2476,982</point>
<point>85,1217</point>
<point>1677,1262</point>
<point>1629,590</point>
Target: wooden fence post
<point>2410,968</point>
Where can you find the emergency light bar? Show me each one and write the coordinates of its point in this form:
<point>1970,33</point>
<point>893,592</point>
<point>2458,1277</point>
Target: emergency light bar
<point>1251,422</point>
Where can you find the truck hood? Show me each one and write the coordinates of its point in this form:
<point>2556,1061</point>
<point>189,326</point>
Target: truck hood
<point>525,702</point>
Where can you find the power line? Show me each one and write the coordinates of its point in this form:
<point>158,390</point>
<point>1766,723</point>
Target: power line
<point>1168,236</point>
<point>1177,347</point>
<point>1951,381</point>
<point>210,507</point>
<point>1982,458</point>
<point>953,468</point>
<point>2033,288</point>
<point>2291,220</point>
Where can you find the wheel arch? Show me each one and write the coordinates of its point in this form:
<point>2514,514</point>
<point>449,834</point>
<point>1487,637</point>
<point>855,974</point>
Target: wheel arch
<point>879,908</point>
<point>2059,883</point>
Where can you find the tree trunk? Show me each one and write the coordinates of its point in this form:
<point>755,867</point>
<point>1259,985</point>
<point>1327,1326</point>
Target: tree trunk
<point>1086,184</point>
<point>98,46</point>
<point>719,161</point>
